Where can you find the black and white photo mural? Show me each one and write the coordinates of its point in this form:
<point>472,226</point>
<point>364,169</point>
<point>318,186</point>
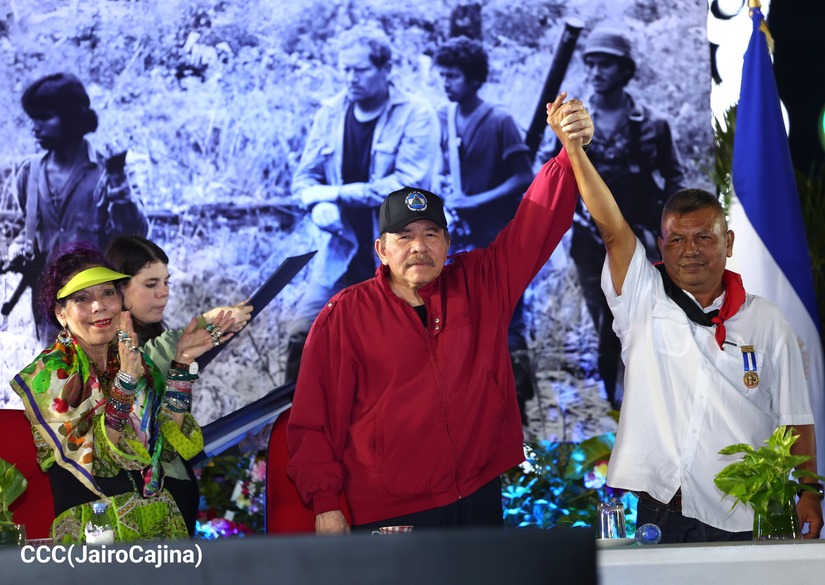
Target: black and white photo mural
<point>227,113</point>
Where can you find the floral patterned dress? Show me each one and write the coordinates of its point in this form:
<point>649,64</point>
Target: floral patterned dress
<point>64,394</point>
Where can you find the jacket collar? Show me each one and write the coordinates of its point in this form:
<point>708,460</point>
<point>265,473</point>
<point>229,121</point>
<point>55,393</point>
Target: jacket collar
<point>432,293</point>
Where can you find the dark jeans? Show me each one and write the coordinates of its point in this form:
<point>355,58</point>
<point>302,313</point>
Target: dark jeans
<point>679,529</point>
<point>481,508</point>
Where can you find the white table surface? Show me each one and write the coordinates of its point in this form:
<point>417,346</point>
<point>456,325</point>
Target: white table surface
<point>746,563</point>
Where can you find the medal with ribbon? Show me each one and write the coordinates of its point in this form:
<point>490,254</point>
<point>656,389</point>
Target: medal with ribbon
<point>751,377</point>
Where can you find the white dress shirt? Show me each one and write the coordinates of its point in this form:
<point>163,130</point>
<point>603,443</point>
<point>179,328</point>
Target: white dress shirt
<point>685,399</point>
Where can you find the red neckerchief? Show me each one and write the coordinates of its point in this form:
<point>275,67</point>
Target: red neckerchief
<point>734,298</point>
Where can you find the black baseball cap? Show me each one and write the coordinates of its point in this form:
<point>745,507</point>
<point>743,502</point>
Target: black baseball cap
<point>407,205</point>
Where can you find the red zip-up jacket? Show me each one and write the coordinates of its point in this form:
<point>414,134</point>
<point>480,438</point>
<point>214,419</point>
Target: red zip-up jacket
<point>403,418</point>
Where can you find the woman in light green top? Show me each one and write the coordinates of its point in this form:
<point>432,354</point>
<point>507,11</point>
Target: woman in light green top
<point>145,296</point>
<point>147,293</point>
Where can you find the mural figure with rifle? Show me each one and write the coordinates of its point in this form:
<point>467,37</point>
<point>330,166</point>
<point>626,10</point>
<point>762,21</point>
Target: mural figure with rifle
<point>635,153</point>
<point>70,192</point>
<point>487,168</point>
<point>488,164</point>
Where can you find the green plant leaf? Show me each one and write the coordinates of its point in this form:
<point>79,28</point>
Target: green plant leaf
<point>763,475</point>
<point>588,453</point>
<point>12,484</point>
<point>800,473</point>
<point>737,448</point>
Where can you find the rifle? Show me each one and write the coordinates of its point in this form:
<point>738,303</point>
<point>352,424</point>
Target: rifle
<point>561,59</point>
<point>28,278</point>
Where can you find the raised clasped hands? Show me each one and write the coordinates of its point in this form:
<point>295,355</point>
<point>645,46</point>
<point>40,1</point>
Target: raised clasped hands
<point>570,121</point>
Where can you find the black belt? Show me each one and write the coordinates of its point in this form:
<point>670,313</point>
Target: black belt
<point>674,505</point>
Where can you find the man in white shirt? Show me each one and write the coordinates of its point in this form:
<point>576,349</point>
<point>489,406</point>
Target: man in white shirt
<point>695,381</point>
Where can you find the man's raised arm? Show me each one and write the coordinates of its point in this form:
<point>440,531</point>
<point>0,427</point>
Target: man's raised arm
<point>619,239</point>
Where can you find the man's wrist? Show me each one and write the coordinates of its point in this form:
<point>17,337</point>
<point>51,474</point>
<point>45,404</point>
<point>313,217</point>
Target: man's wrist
<point>818,492</point>
<point>345,192</point>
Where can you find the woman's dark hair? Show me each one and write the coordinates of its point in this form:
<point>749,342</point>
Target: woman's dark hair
<point>130,255</point>
<point>63,263</point>
<point>63,95</point>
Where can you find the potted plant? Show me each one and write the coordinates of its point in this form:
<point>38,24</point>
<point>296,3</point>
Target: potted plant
<point>12,484</point>
<point>765,479</point>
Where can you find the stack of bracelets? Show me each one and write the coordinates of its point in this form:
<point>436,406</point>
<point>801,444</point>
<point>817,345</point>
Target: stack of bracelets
<point>178,397</point>
<point>121,398</point>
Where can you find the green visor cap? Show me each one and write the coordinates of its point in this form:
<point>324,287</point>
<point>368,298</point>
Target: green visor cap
<point>90,277</point>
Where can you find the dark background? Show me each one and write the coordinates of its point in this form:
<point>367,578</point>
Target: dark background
<point>798,27</point>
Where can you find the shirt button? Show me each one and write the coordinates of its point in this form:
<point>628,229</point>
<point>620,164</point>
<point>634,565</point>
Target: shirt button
<point>437,320</point>
<point>437,327</point>
<point>328,304</point>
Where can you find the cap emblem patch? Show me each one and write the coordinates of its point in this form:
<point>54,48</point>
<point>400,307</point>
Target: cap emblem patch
<point>416,201</point>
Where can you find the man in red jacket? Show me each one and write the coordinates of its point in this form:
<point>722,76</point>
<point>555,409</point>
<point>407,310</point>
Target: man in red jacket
<point>406,400</point>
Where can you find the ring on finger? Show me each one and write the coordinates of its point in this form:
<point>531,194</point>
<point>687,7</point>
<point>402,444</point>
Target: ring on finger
<point>215,332</point>
<point>124,338</point>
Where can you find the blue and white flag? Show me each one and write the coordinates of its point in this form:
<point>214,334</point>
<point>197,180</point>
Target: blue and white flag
<point>771,250</point>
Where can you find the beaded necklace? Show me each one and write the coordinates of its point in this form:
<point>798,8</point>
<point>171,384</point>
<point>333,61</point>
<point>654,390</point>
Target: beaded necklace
<point>107,377</point>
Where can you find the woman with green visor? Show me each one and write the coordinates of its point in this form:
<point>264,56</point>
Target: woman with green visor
<point>105,420</point>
